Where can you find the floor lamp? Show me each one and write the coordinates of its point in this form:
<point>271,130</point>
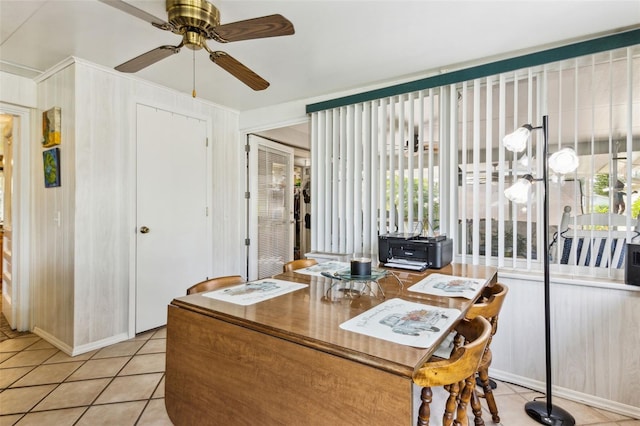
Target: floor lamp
<point>563,161</point>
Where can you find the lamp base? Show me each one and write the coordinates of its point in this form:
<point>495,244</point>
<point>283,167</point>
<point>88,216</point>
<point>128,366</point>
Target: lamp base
<point>537,410</point>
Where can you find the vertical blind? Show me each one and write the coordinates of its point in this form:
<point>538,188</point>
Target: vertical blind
<point>371,167</point>
<point>432,161</point>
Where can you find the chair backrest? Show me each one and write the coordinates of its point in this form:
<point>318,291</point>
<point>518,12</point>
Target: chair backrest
<point>490,303</point>
<point>215,283</point>
<point>464,360</point>
<point>488,306</point>
<point>595,239</point>
<point>298,264</point>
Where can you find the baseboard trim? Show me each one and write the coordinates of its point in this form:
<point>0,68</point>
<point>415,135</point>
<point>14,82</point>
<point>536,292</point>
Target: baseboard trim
<point>53,340</point>
<point>572,395</point>
<point>78,350</point>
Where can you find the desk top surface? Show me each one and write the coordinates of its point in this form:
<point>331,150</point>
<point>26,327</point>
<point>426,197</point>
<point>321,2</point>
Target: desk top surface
<point>312,315</point>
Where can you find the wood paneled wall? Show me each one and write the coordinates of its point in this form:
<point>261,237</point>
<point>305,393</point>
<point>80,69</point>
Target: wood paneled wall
<point>52,285</point>
<point>84,266</point>
<point>18,90</point>
<point>595,340</point>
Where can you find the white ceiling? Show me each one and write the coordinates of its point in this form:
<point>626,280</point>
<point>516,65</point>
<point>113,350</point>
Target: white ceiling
<point>338,45</point>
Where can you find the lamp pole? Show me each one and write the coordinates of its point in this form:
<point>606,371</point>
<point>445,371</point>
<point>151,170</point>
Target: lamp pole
<point>547,414</point>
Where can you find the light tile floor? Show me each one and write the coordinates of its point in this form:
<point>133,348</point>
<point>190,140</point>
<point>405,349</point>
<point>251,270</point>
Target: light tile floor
<point>123,384</point>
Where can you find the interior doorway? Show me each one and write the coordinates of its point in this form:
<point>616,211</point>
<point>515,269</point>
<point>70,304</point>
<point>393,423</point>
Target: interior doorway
<point>6,156</point>
<point>270,207</point>
<point>15,205</point>
<point>296,137</point>
<point>302,207</point>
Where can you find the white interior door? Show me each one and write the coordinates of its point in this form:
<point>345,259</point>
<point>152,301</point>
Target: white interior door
<point>271,207</point>
<point>173,243</point>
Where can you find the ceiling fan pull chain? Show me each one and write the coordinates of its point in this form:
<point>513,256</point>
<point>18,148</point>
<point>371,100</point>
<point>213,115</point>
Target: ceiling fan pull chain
<point>193,93</point>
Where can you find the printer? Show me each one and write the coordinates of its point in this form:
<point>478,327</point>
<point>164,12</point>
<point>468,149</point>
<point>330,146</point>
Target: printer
<point>413,251</point>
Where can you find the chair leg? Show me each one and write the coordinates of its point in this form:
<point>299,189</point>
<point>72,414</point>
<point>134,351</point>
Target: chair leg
<point>476,407</point>
<point>452,402</point>
<point>425,411</point>
<point>466,394</point>
<point>483,374</point>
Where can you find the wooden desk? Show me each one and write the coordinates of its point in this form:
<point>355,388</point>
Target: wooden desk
<point>285,361</point>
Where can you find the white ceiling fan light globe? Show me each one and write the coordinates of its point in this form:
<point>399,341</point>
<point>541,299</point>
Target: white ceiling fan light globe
<point>564,161</point>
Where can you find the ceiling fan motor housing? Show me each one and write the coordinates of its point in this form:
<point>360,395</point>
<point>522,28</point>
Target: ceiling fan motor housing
<point>194,20</point>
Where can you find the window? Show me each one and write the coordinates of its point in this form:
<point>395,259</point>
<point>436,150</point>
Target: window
<point>593,104</point>
<point>433,160</point>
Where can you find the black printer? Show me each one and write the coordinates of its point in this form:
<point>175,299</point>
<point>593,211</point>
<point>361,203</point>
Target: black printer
<point>416,252</point>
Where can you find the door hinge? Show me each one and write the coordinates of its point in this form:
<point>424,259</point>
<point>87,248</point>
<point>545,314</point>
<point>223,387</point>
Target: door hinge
<point>247,195</point>
<point>247,242</point>
<point>206,142</point>
<point>247,148</point>
<point>206,211</point>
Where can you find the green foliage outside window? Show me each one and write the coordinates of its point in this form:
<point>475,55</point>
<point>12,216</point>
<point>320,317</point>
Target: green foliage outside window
<point>601,187</point>
<point>432,222</point>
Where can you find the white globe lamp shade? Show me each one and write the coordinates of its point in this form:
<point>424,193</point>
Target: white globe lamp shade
<point>564,161</point>
<point>519,191</point>
<point>517,141</point>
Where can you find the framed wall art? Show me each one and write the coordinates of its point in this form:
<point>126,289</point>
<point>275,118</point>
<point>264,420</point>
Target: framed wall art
<point>51,127</point>
<point>51,162</point>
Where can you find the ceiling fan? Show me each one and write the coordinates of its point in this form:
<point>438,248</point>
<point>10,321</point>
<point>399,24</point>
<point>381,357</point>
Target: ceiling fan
<point>198,21</point>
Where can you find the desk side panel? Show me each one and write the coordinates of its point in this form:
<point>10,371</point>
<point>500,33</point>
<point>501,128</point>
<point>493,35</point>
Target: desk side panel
<point>220,373</point>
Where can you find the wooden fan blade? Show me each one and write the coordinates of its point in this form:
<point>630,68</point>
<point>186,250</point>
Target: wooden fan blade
<point>266,26</point>
<point>146,59</point>
<point>239,71</point>
<point>139,13</point>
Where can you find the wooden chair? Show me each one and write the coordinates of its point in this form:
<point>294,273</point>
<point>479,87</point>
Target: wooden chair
<point>214,284</point>
<point>298,264</point>
<point>488,307</point>
<point>456,374</point>
<point>595,239</point>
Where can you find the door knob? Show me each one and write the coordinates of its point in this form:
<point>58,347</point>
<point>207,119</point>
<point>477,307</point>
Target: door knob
<point>144,230</point>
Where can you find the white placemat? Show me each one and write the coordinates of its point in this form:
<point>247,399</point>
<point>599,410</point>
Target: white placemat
<point>403,322</point>
<point>329,267</point>
<point>450,286</point>
<point>254,291</point>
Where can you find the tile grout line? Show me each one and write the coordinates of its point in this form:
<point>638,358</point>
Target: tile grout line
<point>150,398</point>
<point>164,373</point>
